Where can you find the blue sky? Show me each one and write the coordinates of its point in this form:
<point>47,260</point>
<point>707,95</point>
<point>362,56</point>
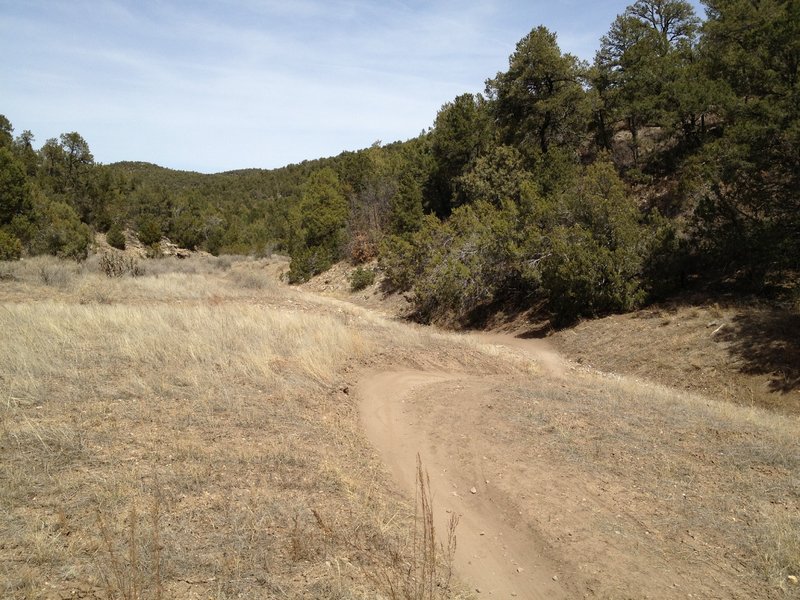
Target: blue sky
<point>218,85</point>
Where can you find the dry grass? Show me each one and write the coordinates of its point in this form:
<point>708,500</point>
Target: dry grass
<point>190,433</point>
<point>702,487</point>
<point>430,570</point>
<point>743,353</point>
<point>129,351</point>
<point>184,433</point>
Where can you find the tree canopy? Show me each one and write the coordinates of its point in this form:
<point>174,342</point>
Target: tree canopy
<point>672,160</point>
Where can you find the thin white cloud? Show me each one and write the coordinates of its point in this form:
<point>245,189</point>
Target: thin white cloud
<point>221,85</point>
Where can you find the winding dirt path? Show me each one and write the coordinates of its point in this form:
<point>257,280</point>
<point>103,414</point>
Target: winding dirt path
<point>497,554</point>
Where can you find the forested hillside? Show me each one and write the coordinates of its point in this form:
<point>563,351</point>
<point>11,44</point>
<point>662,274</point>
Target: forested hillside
<point>672,160</point>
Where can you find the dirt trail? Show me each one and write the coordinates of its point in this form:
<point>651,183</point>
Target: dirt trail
<point>497,554</point>
<point>585,484</point>
<point>538,349</point>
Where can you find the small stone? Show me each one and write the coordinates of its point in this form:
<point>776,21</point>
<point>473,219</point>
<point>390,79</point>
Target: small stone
<point>473,490</point>
<point>519,569</point>
<point>555,577</point>
<point>792,579</point>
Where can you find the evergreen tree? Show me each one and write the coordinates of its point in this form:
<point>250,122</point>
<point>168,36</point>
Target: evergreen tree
<point>641,72</point>
<point>23,147</point>
<point>320,226</point>
<point>539,102</point>
<point>58,230</point>
<point>749,216</point>
<point>14,190</point>
<point>6,132</point>
<point>497,177</point>
<point>461,133</point>
<point>115,237</point>
<point>406,207</point>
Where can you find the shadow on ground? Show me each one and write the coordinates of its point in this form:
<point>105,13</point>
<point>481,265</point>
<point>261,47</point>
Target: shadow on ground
<point>767,343</point>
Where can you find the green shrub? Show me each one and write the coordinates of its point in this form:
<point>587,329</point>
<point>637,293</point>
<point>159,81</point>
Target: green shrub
<point>187,229</point>
<point>59,231</point>
<point>583,277</point>
<point>15,194</point>
<point>593,261</point>
<point>10,246</point>
<point>471,261</point>
<point>397,260</point>
<point>149,231</point>
<point>115,237</point>
<point>318,228</point>
<point>404,258</point>
<point>583,249</point>
<point>154,250</point>
<point>361,278</point>
<point>307,262</point>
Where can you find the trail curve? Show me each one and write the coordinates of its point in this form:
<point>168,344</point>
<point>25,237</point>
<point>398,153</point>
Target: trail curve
<point>496,554</point>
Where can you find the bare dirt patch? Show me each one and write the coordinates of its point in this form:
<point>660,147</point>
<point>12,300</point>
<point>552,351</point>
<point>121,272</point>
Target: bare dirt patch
<point>495,557</point>
<point>589,486</point>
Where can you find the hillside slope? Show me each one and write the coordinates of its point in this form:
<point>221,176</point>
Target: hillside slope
<point>745,353</point>
<point>203,430</point>
<point>742,351</point>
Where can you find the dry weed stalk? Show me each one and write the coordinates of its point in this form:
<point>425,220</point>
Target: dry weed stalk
<point>126,578</point>
<point>419,567</point>
<point>155,524</point>
<point>427,573</point>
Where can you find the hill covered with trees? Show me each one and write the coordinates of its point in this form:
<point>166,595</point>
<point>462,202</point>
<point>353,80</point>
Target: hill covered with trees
<point>672,160</point>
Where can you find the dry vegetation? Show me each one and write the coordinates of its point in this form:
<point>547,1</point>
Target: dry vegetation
<point>639,491</point>
<point>186,433</point>
<point>190,433</point>
<point>741,352</point>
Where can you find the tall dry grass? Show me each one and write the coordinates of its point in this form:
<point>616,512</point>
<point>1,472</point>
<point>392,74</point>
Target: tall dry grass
<point>210,392</point>
<point>139,350</point>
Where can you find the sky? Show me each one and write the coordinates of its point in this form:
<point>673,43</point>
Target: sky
<point>213,86</point>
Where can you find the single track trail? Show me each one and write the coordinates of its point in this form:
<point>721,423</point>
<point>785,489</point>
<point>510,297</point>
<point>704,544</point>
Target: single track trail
<point>497,554</point>
<point>573,482</point>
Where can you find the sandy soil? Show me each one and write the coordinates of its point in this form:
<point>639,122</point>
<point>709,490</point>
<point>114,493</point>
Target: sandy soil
<point>497,557</point>
<point>495,554</point>
<point>539,517</point>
